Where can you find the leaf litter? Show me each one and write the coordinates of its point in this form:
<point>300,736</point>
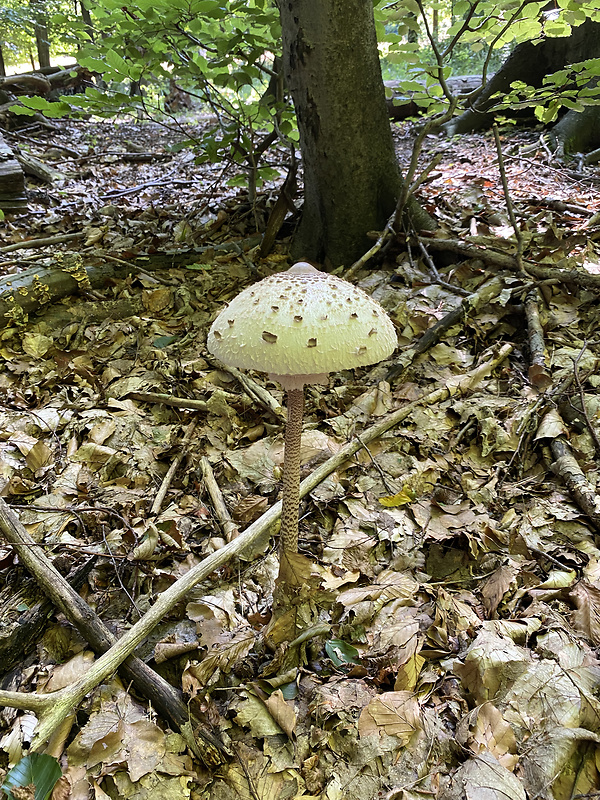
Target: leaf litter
<point>444,634</point>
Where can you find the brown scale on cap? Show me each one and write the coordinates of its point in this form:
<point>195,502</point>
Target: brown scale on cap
<point>337,340</point>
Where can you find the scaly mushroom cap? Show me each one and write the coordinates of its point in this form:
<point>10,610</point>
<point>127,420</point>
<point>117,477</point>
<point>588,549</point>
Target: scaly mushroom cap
<point>301,324</point>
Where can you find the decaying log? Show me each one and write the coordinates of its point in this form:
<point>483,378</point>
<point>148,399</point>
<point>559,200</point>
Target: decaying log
<point>42,82</point>
<point>12,181</point>
<point>33,166</point>
<point>28,83</point>
<point>36,287</point>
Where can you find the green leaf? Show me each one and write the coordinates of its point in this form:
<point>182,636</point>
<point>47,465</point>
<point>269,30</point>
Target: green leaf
<point>238,180</point>
<point>289,690</point>
<point>164,341</point>
<point>341,652</point>
<point>33,104</point>
<point>38,769</point>
<point>93,64</point>
<point>118,64</point>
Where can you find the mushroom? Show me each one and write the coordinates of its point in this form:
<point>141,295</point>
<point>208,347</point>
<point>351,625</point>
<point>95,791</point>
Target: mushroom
<point>299,325</point>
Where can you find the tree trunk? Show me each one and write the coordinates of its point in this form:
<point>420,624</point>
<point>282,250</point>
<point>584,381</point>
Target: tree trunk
<point>578,131</point>
<point>42,39</point>
<point>529,62</point>
<point>87,19</point>
<point>2,64</point>
<point>351,176</point>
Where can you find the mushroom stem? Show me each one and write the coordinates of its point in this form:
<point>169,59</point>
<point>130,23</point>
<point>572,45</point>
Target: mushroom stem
<point>291,471</point>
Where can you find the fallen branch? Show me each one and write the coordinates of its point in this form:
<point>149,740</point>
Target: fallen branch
<point>149,683</point>
<point>169,400</point>
<point>48,241</point>
<point>35,287</point>
<point>33,166</point>
<point>53,708</point>
<point>582,491</point>
<point>470,305</point>
<point>495,258</point>
<point>164,487</point>
<point>230,529</point>
<point>538,358</point>
<point>256,392</point>
<point>154,687</point>
<point>32,288</point>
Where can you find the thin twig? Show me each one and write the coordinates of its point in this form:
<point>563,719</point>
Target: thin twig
<point>254,390</point>
<point>169,400</point>
<point>230,529</point>
<point>588,422</point>
<point>385,234</point>
<point>164,487</point>
<point>47,242</point>
<point>509,205</point>
<point>389,488</point>
<point>438,278</point>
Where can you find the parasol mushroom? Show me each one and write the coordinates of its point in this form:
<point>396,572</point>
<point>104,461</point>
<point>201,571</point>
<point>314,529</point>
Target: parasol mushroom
<point>298,326</point>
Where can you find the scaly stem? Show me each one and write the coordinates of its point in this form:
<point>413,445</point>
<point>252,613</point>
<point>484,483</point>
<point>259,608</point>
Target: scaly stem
<point>291,471</point>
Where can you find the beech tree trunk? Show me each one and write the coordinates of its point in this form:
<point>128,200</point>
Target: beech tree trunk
<point>87,19</point>
<point>529,63</point>
<point>351,176</point>
<point>42,39</point>
<point>578,131</point>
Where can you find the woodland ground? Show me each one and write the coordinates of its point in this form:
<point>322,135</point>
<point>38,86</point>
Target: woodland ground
<point>454,588</point>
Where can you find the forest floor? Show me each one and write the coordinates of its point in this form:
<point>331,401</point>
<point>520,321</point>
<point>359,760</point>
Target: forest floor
<point>447,631</point>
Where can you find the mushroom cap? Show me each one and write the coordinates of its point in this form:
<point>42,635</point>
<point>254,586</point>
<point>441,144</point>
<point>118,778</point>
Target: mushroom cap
<point>300,325</point>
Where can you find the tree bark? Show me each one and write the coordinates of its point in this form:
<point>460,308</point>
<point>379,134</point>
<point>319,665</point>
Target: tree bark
<point>42,39</point>
<point>578,131</point>
<point>87,19</point>
<point>529,62</point>
<point>351,176</point>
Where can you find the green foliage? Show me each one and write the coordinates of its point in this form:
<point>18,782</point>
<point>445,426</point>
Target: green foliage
<point>17,31</point>
<point>572,88</point>
<point>467,37</point>
<point>40,770</point>
<point>219,53</point>
<point>222,54</point>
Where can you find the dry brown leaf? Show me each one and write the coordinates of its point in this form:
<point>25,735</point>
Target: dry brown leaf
<point>491,732</point>
<point>484,778</point>
<point>551,426</point>
<point>394,713</point>
<point>70,672</point>
<point>249,777</point>
<point>495,587</point>
<point>408,673</point>
<point>586,617</point>
<point>282,712</point>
